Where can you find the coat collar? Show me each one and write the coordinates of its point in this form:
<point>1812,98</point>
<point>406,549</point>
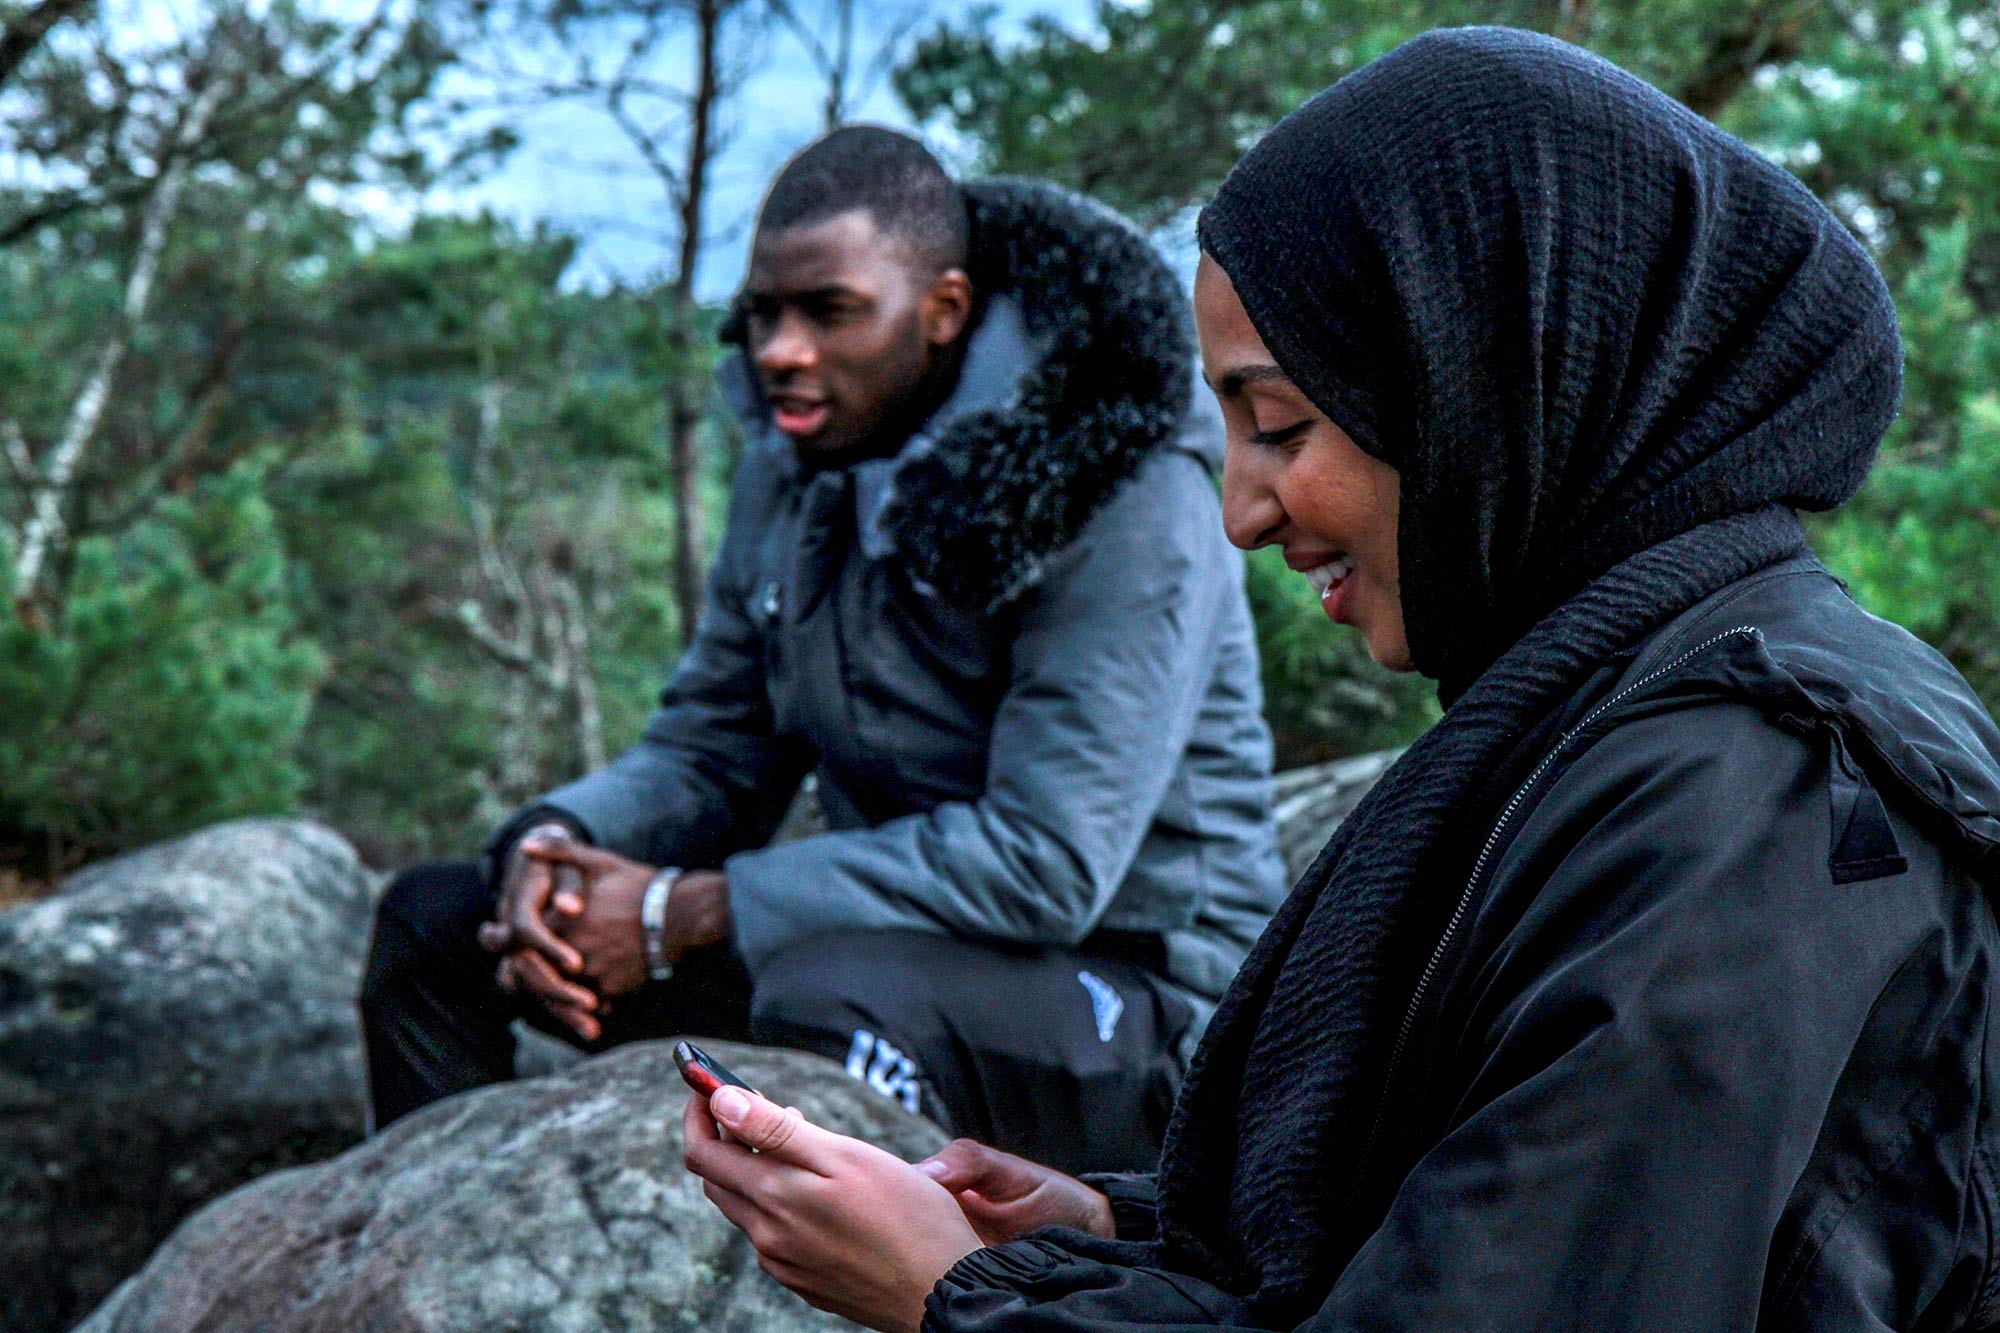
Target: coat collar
<point>999,356</point>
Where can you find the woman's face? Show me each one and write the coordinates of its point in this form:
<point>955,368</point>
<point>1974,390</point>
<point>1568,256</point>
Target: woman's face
<point>1292,477</point>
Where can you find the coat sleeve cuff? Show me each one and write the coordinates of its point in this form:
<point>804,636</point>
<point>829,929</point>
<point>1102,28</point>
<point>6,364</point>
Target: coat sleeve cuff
<point>1135,1201</point>
<point>760,926</point>
<point>493,858</point>
<point>1018,1266</point>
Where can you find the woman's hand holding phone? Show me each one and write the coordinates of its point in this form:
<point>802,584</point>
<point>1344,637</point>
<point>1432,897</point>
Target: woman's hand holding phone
<point>849,1227</point>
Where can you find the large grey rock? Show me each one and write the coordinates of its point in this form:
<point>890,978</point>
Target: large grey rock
<point>542,1206</point>
<point>1310,803</point>
<point>172,1024</point>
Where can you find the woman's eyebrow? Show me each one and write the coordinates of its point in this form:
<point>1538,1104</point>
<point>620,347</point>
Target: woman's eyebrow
<point>1241,377</point>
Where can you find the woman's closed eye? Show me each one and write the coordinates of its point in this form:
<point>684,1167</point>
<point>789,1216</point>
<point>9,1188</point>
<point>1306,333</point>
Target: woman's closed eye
<point>1281,435</point>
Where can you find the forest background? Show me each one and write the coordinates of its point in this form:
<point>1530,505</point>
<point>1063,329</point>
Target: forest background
<point>324,490</point>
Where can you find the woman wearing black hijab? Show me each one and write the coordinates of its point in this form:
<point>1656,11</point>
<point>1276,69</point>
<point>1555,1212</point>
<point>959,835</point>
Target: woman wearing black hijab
<point>1653,987</point>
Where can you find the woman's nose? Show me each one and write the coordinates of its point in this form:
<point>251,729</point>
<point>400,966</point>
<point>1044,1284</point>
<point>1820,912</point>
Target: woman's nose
<point>1251,514</point>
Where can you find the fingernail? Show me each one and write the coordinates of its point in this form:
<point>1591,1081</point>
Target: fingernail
<point>729,1104</point>
<point>933,1168</point>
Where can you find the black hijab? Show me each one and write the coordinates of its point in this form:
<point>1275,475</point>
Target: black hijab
<point>1574,316</point>
<point>1608,349</point>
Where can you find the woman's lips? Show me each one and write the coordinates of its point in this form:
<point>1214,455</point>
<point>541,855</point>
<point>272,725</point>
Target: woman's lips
<point>1329,579</point>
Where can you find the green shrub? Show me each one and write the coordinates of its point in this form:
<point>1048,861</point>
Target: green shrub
<point>167,691</point>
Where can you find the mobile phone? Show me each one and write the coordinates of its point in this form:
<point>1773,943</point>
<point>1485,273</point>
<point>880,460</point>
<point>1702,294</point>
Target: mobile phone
<point>703,1072</point>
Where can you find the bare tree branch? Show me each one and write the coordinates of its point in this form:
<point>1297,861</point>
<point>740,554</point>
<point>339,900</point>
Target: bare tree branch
<point>67,203</point>
<point>833,56</point>
<point>582,680</point>
<point>227,128</point>
<point>14,448</point>
<point>470,619</point>
<point>20,38</point>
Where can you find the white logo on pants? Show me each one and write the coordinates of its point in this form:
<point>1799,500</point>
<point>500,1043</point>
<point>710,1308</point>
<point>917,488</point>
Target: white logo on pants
<point>883,1068</point>
<point>1105,1004</point>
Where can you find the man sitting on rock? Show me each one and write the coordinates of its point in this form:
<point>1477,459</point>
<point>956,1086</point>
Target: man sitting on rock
<point>974,578</point>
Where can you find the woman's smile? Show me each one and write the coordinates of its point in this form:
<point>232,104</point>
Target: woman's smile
<point>1291,477</point>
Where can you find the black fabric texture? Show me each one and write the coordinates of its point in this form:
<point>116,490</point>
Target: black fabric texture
<point>912,1014</point>
<point>1668,1074</point>
<point>1608,350</point>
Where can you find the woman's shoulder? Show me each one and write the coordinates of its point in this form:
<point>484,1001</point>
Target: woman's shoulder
<point>1780,677</point>
<point>1756,762</point>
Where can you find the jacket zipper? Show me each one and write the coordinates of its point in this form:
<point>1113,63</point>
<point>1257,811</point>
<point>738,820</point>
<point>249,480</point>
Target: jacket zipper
<point>1429,975</point>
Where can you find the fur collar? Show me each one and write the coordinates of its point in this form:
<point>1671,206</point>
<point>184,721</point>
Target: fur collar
<point>1001,489</point>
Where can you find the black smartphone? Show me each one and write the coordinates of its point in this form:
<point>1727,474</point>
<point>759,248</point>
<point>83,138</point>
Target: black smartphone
<point>703,1072</point>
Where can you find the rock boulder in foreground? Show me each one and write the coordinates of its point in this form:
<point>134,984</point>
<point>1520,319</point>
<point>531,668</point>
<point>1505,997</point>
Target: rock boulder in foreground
<point>554,1204</point>
<point>172,1023</point>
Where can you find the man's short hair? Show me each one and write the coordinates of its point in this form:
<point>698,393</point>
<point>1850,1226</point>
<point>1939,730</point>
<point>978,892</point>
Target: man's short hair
<point>889,175</point>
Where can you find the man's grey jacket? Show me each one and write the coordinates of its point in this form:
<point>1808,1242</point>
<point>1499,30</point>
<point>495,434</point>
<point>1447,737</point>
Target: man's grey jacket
<point>1017,654</point>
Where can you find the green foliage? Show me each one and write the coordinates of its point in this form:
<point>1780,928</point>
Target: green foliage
<point>451,587</point>
<point>174,690</point>
<point>1922,543</point>
<point>379,524</point>
<point>500,440</point>
<point>1149,105</point>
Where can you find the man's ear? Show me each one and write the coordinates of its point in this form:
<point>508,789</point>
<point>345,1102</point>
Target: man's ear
<point>947,307</point>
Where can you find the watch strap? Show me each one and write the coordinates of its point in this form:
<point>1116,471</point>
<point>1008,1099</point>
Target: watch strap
<point>653,922</point>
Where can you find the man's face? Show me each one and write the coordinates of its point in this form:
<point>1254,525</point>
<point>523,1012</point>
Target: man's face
<point>843,325</point>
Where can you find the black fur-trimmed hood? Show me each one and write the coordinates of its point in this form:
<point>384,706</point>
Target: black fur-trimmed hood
<point>978,513</point>
<point>978,506</point>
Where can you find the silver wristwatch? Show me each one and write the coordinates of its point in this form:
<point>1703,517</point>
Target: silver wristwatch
<point>653,922</point>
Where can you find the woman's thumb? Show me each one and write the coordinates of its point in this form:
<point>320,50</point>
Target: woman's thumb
<point>753,1120</point>
<point>960,1165</point>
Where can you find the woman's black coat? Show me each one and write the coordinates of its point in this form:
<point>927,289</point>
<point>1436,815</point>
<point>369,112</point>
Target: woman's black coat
<point>1710,1045</point>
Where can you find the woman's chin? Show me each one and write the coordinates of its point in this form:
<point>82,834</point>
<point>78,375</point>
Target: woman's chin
<point>1387,646</point>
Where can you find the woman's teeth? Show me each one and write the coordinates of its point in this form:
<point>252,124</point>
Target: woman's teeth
<point>1324,577</point>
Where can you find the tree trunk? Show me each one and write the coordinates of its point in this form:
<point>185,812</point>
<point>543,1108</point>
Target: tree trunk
<point>39,534</point>
<point>684,392</point>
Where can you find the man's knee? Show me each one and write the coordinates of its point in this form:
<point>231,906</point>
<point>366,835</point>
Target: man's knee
<point>428,916</point>
<point>836,981</point>
<point>861,998</point>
